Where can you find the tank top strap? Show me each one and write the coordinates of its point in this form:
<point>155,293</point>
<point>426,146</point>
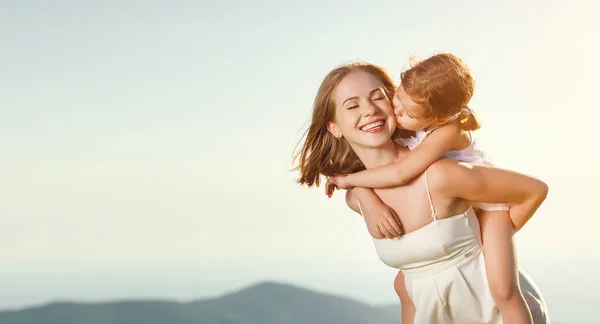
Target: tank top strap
<point>360,208</point>
<point>433,214</point>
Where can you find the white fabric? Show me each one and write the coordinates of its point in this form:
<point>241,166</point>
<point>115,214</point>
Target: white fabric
<point>445,274</point>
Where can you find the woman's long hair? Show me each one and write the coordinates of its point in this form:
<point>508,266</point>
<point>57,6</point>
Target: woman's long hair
<point>321,153</point>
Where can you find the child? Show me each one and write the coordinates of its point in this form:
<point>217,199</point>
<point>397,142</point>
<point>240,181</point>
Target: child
<point>431,101</point>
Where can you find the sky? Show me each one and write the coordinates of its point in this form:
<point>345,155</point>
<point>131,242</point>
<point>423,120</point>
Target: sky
<point>147,145</point>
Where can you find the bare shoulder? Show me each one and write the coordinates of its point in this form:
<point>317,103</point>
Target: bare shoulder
<point>352,202</point>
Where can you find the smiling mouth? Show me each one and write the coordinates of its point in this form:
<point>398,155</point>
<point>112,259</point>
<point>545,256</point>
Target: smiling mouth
<point>372,126</point>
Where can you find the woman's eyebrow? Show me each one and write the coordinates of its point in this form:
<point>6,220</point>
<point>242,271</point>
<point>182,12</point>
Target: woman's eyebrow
<point>375,90</point>
<point>355,97</point>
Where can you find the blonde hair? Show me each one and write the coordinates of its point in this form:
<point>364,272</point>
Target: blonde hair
<point>444,85</point>
<point>321,153</point>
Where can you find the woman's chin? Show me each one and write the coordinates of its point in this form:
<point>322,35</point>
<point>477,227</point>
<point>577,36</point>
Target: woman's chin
<point>377,140</point>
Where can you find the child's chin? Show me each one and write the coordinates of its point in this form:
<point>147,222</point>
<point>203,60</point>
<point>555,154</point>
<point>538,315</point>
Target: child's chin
<point>399,125</point>
<point>410,129</point>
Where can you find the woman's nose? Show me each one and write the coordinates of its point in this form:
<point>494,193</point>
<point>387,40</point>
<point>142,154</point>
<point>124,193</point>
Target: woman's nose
<point>369,109</point>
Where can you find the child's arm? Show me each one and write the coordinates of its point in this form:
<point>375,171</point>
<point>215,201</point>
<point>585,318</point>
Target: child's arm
<point>493,185</point>
<point>381,220</point>
<point>398,173</point>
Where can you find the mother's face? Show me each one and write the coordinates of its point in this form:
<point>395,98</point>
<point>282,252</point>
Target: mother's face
<point>363,113</point>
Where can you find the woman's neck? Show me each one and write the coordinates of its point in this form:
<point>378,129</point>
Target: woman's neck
<point>374,157</point>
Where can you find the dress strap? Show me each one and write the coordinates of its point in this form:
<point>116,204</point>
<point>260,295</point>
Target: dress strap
<point>453,118</point>
<point>360,208</point>
<point>430,201</point>
<point>431,129</point>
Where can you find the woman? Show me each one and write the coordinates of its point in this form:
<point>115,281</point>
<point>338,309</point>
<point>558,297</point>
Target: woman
<point>442,278</point>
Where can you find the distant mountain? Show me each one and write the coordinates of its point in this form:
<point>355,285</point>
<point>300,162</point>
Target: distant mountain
<point>391,308</point>
<point>264,303</point>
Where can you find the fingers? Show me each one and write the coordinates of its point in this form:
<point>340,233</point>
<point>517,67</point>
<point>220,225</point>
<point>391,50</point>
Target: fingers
<point>394,222</point>
<point>385,230</point>
<point>390,231</point>
<point>329,188</point>
<point>376,233</point>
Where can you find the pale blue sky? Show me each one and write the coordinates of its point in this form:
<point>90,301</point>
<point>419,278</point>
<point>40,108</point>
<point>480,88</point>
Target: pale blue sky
<point>146,144</point>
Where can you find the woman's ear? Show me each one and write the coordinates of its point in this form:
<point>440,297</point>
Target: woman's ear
<point>333,129</point>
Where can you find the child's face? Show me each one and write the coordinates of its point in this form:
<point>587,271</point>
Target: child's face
<point>409,114</point>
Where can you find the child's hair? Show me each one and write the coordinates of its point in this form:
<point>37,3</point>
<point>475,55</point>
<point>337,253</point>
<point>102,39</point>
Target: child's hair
<point>444,85</point>
<point>321,153</point>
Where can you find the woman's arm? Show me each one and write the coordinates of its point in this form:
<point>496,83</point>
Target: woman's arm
<point>481,183</point>
<point>381,220</point>
<point>395,174</point>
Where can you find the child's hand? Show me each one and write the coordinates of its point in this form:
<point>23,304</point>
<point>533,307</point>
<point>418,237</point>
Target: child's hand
<point>382,222</point>
<point>340,182</point>
<point>329,188</point>
<point>337,182</point>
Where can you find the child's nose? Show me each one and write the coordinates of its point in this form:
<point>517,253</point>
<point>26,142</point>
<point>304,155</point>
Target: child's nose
<point>398,111</point>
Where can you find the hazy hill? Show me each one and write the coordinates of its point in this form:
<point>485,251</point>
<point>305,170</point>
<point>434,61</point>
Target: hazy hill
<point>264,303</point>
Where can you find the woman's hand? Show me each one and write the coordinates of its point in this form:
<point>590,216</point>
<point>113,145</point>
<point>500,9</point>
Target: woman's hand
<point>382,221</point>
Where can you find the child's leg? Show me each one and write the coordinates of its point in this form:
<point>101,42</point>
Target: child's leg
<point>501,264</point>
